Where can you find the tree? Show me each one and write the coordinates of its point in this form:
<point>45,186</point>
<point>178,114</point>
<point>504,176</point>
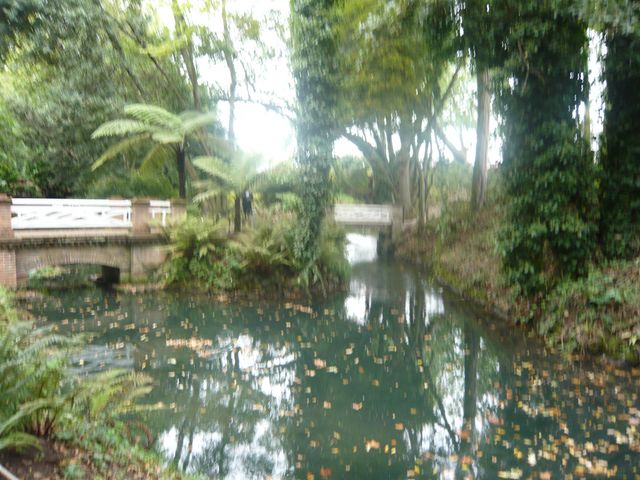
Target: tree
<point>72,73</point>
<point>149,123</point>
<point>316,76</point>
<point>478,41</point>
<point>620,187</point>
<point>395,61</point>
<point>17,17</point>
<point>239,176</point>
<point>548,166</point>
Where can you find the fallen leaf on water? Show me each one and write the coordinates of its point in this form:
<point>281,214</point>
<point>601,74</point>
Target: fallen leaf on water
<point>325,472</point>
<point>371,444</point>
<point>513,474</point>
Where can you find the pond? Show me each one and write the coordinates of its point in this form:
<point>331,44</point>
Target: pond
<point>394,379</point>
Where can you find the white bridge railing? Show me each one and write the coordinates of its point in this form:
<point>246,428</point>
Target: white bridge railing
<point>46,213</point>
<point>374,215</point>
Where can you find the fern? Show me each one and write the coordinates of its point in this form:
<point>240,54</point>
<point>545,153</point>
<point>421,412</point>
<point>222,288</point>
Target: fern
<point>119,148</point>
<point>196,121</point>
<point>153,115</point>
<point>111,393</point>
<point>120,126</point>
<point>214,167</point>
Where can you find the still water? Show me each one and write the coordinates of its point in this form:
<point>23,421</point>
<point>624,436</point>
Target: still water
<point>395,379</point>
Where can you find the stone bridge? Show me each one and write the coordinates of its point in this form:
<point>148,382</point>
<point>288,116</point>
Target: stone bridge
<point>387,220</point>
<point>122,236</point>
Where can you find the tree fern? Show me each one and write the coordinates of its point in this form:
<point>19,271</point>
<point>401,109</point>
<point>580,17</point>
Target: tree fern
<point>159,126</point>
<point>196,120</point>
<point>119,148</point>
<point>153,115</point>
<point>120,126</point>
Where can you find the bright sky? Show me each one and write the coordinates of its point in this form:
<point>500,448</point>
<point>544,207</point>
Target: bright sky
<point>271,135</point>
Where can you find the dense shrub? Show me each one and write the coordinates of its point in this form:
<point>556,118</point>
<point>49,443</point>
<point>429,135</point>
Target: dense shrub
<point>597,313</point>
<point>550,175</point>
<point>199,254</point>
<point>263,257</point>
<point>620,186</point>
<point>40,398</point>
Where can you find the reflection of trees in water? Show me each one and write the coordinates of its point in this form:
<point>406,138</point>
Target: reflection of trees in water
<point>243,390</point>
<point>417,414</point>
<point>217,405</point>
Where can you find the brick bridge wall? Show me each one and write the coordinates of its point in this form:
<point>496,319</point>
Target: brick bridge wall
<point>133,260</point>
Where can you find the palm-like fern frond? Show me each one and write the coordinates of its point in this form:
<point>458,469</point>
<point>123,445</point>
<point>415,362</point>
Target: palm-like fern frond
<point>120,147</point>
<point>167,137</point>
<point>216,168</point>
<point>190,123</point>
<point>153,115</point>
<point>155,159</point>
<point>210,192</point>
<point>120,126</point>
<point>113,392</point>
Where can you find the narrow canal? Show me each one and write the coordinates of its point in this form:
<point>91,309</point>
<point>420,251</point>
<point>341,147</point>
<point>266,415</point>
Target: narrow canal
<point>395,379</point>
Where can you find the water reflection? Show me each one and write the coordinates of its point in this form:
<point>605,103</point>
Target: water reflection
<point>396,380</point>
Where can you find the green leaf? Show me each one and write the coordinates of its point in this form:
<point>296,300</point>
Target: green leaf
<point>167,137</point>
<point>151,114</point>
<point>119,148</point>
<point>120,126</point>
<point>215,167</point>
<point>197,121</point>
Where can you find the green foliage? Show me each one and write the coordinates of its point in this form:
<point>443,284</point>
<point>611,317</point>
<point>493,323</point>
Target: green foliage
<point>597,313</point>
<point>32,378</point>
<point>620,159</point>
<point>135,184</point>
<point>262,257</point>
<point>267,258</point>
<point>266,253</point>
<point>76,69</point>
<point>549,171</point>
<point>17,17</point>
<point>316,76</point>
<point>199,254</point>
<point>110,394</point>
<point>354,178</point>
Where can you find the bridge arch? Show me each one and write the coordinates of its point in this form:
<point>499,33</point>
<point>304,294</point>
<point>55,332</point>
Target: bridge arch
<point>115,259</point>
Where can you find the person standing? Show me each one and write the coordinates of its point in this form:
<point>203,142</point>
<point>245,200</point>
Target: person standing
<point>247,206</point>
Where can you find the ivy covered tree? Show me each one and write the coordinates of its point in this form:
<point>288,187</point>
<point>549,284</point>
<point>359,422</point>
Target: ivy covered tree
<point>620,159</point>
<point>315,73</point>
<point>549,170</point>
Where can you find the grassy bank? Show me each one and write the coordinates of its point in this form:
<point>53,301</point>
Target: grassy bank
<point>54,424</point>
<point>598,314</point>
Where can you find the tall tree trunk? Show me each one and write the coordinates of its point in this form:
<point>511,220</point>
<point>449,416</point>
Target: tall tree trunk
<point>422,214</point>
<point>229,57</point>
<point>237,217</point>
<point>405,185</point>
<point>187,54</point>
<point>182,173</point>
<point>479,185</point>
